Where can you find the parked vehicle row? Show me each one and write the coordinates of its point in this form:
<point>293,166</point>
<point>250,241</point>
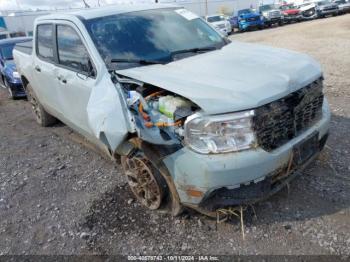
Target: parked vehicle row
<point>179,107</point>
<point>271,14</point>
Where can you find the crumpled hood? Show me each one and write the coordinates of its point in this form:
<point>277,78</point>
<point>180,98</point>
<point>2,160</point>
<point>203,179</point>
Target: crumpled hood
<point>237,77</point>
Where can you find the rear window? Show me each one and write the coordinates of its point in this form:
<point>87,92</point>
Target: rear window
<point>45,41</point>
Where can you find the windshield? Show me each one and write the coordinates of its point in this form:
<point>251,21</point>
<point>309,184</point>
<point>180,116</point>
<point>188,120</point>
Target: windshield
<point>287,7</point>
<point>217,18</point>
<point>324,2</point>
<point>150,35</point>
<point>245,11</point>
<point>6,51</point>
<point>266,8</point>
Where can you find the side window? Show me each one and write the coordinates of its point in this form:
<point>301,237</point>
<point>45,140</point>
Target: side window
<point>71,50</point>
<point>45,41</point>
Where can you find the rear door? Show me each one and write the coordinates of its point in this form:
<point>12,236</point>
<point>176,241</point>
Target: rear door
<point>76,75</point>
<point>45,69</point>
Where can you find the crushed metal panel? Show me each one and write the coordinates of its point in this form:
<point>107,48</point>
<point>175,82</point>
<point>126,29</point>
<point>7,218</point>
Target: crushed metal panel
<point>107,116</point>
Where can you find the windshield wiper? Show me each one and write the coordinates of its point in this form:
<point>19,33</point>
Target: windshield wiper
<point>194,50</point>
<point>137,61</point>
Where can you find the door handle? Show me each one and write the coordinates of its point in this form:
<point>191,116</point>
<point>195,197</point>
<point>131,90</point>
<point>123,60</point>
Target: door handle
<point>37,68</point>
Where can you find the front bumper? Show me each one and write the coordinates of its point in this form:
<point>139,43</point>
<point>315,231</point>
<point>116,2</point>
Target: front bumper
<point>205,174</point>
<point>273,20</point>
<point>225,31</point>
<point>253,24</point>
<point>17,89</point>
<point>288,18</point>
<point>328,12</point>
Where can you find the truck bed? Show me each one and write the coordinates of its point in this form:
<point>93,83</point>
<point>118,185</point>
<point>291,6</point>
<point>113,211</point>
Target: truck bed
<point>25,47</point>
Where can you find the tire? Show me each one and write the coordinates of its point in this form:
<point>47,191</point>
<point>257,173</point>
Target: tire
<point>7,86</point>
<point>145,182</point>
<point>41,116</point>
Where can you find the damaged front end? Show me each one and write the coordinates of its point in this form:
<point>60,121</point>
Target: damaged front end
<point>178,156</point>
<point>158,118</point>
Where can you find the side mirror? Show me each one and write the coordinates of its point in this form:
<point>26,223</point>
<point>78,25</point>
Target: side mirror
<point>91,69</point>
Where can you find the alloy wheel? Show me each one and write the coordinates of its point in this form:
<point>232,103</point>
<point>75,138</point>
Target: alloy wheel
<point>142,181</point>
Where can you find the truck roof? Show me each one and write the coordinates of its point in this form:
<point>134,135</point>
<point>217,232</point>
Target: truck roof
<point>96,12</point>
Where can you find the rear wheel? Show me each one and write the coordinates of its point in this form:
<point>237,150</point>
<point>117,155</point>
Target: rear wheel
<point>41,116</point>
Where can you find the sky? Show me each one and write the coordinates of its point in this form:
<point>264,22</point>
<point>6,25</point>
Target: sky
<point>61,4</point>
<point>50,4</point>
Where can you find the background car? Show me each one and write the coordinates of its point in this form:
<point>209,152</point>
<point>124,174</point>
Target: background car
<point>249,18</point>
<point>220,23</point>
<point>307,11</point>
<point>9,76</point>
<point>325,8</point>
<point>272,14</point>
<point>233,21</point>
<point>344,6</point>
<point>290,13</point>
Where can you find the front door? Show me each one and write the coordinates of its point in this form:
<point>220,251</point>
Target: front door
<point>75,76</point>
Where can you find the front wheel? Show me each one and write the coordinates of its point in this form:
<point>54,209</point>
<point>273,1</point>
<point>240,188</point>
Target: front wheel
<point>145,181</point>
<point>42,117</point>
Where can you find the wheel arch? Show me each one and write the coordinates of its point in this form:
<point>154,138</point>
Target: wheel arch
<point>25,82</point>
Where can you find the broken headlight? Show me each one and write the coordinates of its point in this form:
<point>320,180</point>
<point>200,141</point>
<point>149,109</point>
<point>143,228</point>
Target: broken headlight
<point>220,134</point>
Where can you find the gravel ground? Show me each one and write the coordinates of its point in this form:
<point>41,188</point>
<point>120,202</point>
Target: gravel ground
<point>59,196</point>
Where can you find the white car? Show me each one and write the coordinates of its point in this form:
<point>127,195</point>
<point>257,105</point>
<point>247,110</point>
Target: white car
<point>220,23</point>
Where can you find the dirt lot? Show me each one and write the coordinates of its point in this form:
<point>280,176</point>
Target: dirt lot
<point>59,197</point>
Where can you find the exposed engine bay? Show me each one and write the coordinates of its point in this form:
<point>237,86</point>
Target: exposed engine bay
<point>159,115</point>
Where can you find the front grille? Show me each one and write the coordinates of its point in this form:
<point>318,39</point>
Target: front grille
<point>252,19</point>
<point>330,8</point>
<point>274,14</point>
<point>280,121</point>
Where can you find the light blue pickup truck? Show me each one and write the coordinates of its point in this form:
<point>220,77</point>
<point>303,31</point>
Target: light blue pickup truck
<point>197,120</point>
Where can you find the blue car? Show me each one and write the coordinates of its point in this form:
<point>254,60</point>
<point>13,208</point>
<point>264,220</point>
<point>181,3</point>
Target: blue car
<point>248,18</point>
<point>8,74</point>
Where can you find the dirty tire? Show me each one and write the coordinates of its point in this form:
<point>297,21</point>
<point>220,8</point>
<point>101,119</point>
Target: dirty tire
<point>41,116</point>
<point>145,181</point>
